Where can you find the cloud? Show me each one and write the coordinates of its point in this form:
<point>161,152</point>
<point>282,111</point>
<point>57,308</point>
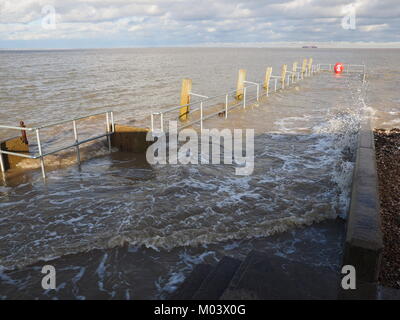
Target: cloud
<point>196,22</point>
<point>375,27</point>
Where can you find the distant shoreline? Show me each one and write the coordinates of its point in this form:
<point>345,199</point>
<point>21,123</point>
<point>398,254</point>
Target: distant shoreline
<point>195,47</point>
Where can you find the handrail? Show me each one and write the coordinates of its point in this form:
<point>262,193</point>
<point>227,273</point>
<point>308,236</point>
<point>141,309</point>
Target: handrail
<point>110,129</point>
<point>74,119</point>
<point>200,103</point>
<point>16,128</point>
<point>290,78</point>
<point>53,123</point>
<point>348,67</point>
<point>110,126</point>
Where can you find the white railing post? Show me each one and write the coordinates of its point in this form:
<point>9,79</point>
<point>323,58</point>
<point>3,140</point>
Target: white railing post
<point>152,122</point>
<point>226,106</point>
<point>112,122</point>
<point>78,154</point>
<point>258,92</point>
<point>276,82</point>
<point>162,121</point>
<point>201,116</point>
<point>244,97</point>
<point>40,153</point>
<point>2,166</point>
<point>108,132</point>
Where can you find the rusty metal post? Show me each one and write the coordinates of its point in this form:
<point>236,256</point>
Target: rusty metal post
<point>23,132</point>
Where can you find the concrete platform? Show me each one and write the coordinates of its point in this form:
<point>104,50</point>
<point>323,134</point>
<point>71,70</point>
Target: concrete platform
<point>302,263</point>
<point>13,145</point>
<point>364,242</point>
<point>265,277</point>
<point>385,293</point>
<point>207,282</point>
<point>130,139</point>
<point>217,280</point>
<point>192,283</point>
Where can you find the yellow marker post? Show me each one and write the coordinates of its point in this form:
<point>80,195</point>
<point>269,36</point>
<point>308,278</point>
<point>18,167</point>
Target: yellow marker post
<point>294,70</point>
<point>283,75</point>
<point>303,68</point>
<point>268,74</point>
<point>240,84</point>
<point>310,61</point>
<point>185,99</point>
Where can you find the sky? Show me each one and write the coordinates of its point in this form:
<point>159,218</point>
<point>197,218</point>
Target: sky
<point>160,23</point>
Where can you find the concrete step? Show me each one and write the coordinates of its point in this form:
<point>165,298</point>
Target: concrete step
<point>386,293</point>
<point>265,276</point>
<point>370,291</point>
<point>192,283</point>
<point>217,280</point>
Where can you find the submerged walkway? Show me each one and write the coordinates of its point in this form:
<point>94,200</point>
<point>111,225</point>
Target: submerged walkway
<point>304,158</point>
<point>294,268</point>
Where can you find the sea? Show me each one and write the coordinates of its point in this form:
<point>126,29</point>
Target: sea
<point>117,227</point>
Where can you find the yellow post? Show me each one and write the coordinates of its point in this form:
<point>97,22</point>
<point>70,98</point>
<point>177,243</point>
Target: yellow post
<point>185,99</point>
<point>310,61</point>
<point>303,68</point>
<point>268,74</point>
<point>240,84</point>
<point>294,70</point>
<point>283,75</point>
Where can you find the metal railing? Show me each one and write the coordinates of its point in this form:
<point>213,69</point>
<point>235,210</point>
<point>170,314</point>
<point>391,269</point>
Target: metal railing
<point>348,68</point>
<point>197,106</point>
<point>201,105</point>
<point>110,129</point>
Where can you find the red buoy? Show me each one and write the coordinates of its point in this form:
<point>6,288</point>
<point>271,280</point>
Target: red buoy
<point>338,68</point>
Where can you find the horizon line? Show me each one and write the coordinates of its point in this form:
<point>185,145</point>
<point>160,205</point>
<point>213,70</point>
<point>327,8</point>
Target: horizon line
<point>388,45</point>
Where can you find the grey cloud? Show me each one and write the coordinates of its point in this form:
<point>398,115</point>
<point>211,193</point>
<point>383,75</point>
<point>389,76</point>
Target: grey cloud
<point>180,22</point>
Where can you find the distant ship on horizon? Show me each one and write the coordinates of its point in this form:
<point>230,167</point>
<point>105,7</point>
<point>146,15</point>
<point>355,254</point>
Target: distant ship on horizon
<point>310,47</point>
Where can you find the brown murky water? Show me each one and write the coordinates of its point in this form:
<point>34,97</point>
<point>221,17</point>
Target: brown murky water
<point>116,227</point>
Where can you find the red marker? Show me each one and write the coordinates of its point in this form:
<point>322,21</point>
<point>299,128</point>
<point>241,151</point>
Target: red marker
<point>338,68</point>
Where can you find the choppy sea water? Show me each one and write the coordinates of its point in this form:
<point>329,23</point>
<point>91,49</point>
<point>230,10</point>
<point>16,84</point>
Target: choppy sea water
<point>120,228</point>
